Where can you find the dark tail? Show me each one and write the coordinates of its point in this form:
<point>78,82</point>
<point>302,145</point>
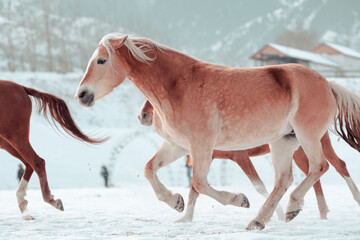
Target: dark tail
<point>60,113</point>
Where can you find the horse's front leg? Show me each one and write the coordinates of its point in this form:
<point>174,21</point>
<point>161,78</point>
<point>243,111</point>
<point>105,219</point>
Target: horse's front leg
<point>167,154</point>
<point>201,154</point>
<point>189,214</point>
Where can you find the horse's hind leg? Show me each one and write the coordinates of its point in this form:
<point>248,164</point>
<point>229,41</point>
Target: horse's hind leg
<point>23,147</point>
<point>303,163</point>
<point>317,167</point>
<point>340,166</point>
<point>167,154</point>
<point>189,214</point>
<point>243,160</point>
<point>21,191</point>
<point>281,155</point>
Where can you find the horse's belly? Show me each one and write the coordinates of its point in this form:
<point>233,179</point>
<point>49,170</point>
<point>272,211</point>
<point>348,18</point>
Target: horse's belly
<point>248,133</point>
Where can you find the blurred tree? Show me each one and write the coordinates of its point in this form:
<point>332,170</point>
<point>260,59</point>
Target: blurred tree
<point>46,13</point>
<point>9,51</point>
<point>299,37</point>
<point>28,23</point>
<point>64,57</point>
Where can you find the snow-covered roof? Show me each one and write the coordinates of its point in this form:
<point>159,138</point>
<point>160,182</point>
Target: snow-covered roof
<point>344,50</point>
<point>303,55</point>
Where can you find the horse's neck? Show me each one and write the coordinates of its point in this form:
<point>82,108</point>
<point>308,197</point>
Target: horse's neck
<point>154,80</point>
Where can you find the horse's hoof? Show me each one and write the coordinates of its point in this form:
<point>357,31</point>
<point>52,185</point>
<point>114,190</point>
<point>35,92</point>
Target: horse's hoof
<point>245,201</point>
<point>179,203</point>
<point>59,205</point>
<point>255,225</point>
<point>240,200</point>
<point>23,206</point>
<point>28,217</point>
<point>291,215</point>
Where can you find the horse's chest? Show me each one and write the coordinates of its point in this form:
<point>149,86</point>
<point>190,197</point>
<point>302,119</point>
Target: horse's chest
<point>170,132</point>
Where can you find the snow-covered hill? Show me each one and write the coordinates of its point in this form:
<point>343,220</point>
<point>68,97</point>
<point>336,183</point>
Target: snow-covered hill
<point>222,32</point>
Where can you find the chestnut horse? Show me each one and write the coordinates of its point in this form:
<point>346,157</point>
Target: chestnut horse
<point>204,106</point>
<point>242,158</point>
<point>15,112</point>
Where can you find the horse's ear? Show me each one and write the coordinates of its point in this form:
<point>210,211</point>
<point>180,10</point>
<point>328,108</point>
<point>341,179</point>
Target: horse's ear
<point>118,43</point>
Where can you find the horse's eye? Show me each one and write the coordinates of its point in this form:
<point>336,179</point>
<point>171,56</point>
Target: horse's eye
<point>101,61</point>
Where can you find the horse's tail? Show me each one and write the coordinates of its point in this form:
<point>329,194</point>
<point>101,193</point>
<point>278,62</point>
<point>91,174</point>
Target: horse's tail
<point>347,120</point>
<point>60,113</point>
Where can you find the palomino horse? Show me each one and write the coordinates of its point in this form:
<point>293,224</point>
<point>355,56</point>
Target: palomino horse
<point>204,106</point>
<point>15,112</point>
<point>242,158</point>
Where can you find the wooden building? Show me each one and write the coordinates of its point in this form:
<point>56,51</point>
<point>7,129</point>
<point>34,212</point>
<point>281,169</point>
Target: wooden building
<point>273,53</point>
<point>347,58</point>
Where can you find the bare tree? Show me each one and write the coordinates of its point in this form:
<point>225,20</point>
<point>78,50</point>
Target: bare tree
<point>46,13</point>
<point>299,37</point>
<point>10,50</point>
<point>28,23</point>
<point>64,57</point>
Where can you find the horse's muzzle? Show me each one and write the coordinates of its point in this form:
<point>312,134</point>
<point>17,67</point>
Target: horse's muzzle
<point>86,98</point>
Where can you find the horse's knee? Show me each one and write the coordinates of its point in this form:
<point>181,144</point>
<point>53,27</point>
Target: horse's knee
<point>149,170</point>
<point>199,185</point>
<point>285,181</point>
<point>319,169</point>
<point>39,165</point>
<point>324,166</point>
<point>342,170</point>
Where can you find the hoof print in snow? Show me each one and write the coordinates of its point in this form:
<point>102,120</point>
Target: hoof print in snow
<point>28,217</point>
<point>291,215</point>
<point>179,203</point>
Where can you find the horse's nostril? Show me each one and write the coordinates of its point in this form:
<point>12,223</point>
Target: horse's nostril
<point>82,94</point>
<point>144,115</point>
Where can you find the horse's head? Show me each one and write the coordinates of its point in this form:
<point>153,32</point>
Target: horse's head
<point>105,71</point>
<point>146,114</point>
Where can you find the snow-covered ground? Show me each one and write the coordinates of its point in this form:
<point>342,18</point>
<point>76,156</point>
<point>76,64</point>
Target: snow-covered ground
<point>134,212</point>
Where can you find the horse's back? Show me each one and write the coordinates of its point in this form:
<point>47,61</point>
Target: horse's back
<point>15,105</point>
<point>259,103</point>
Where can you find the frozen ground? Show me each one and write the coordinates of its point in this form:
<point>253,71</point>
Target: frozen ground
<point>134,212</point>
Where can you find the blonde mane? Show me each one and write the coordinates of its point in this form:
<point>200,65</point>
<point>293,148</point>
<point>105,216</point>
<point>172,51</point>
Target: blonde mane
<point>137,49</point>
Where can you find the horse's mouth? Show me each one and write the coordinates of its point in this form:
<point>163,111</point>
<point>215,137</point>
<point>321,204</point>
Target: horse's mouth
<point>88,102</point>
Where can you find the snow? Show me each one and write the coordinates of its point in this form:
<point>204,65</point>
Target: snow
<point>344,50</point>
<point>134,212</point>
<point>304,55</point>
